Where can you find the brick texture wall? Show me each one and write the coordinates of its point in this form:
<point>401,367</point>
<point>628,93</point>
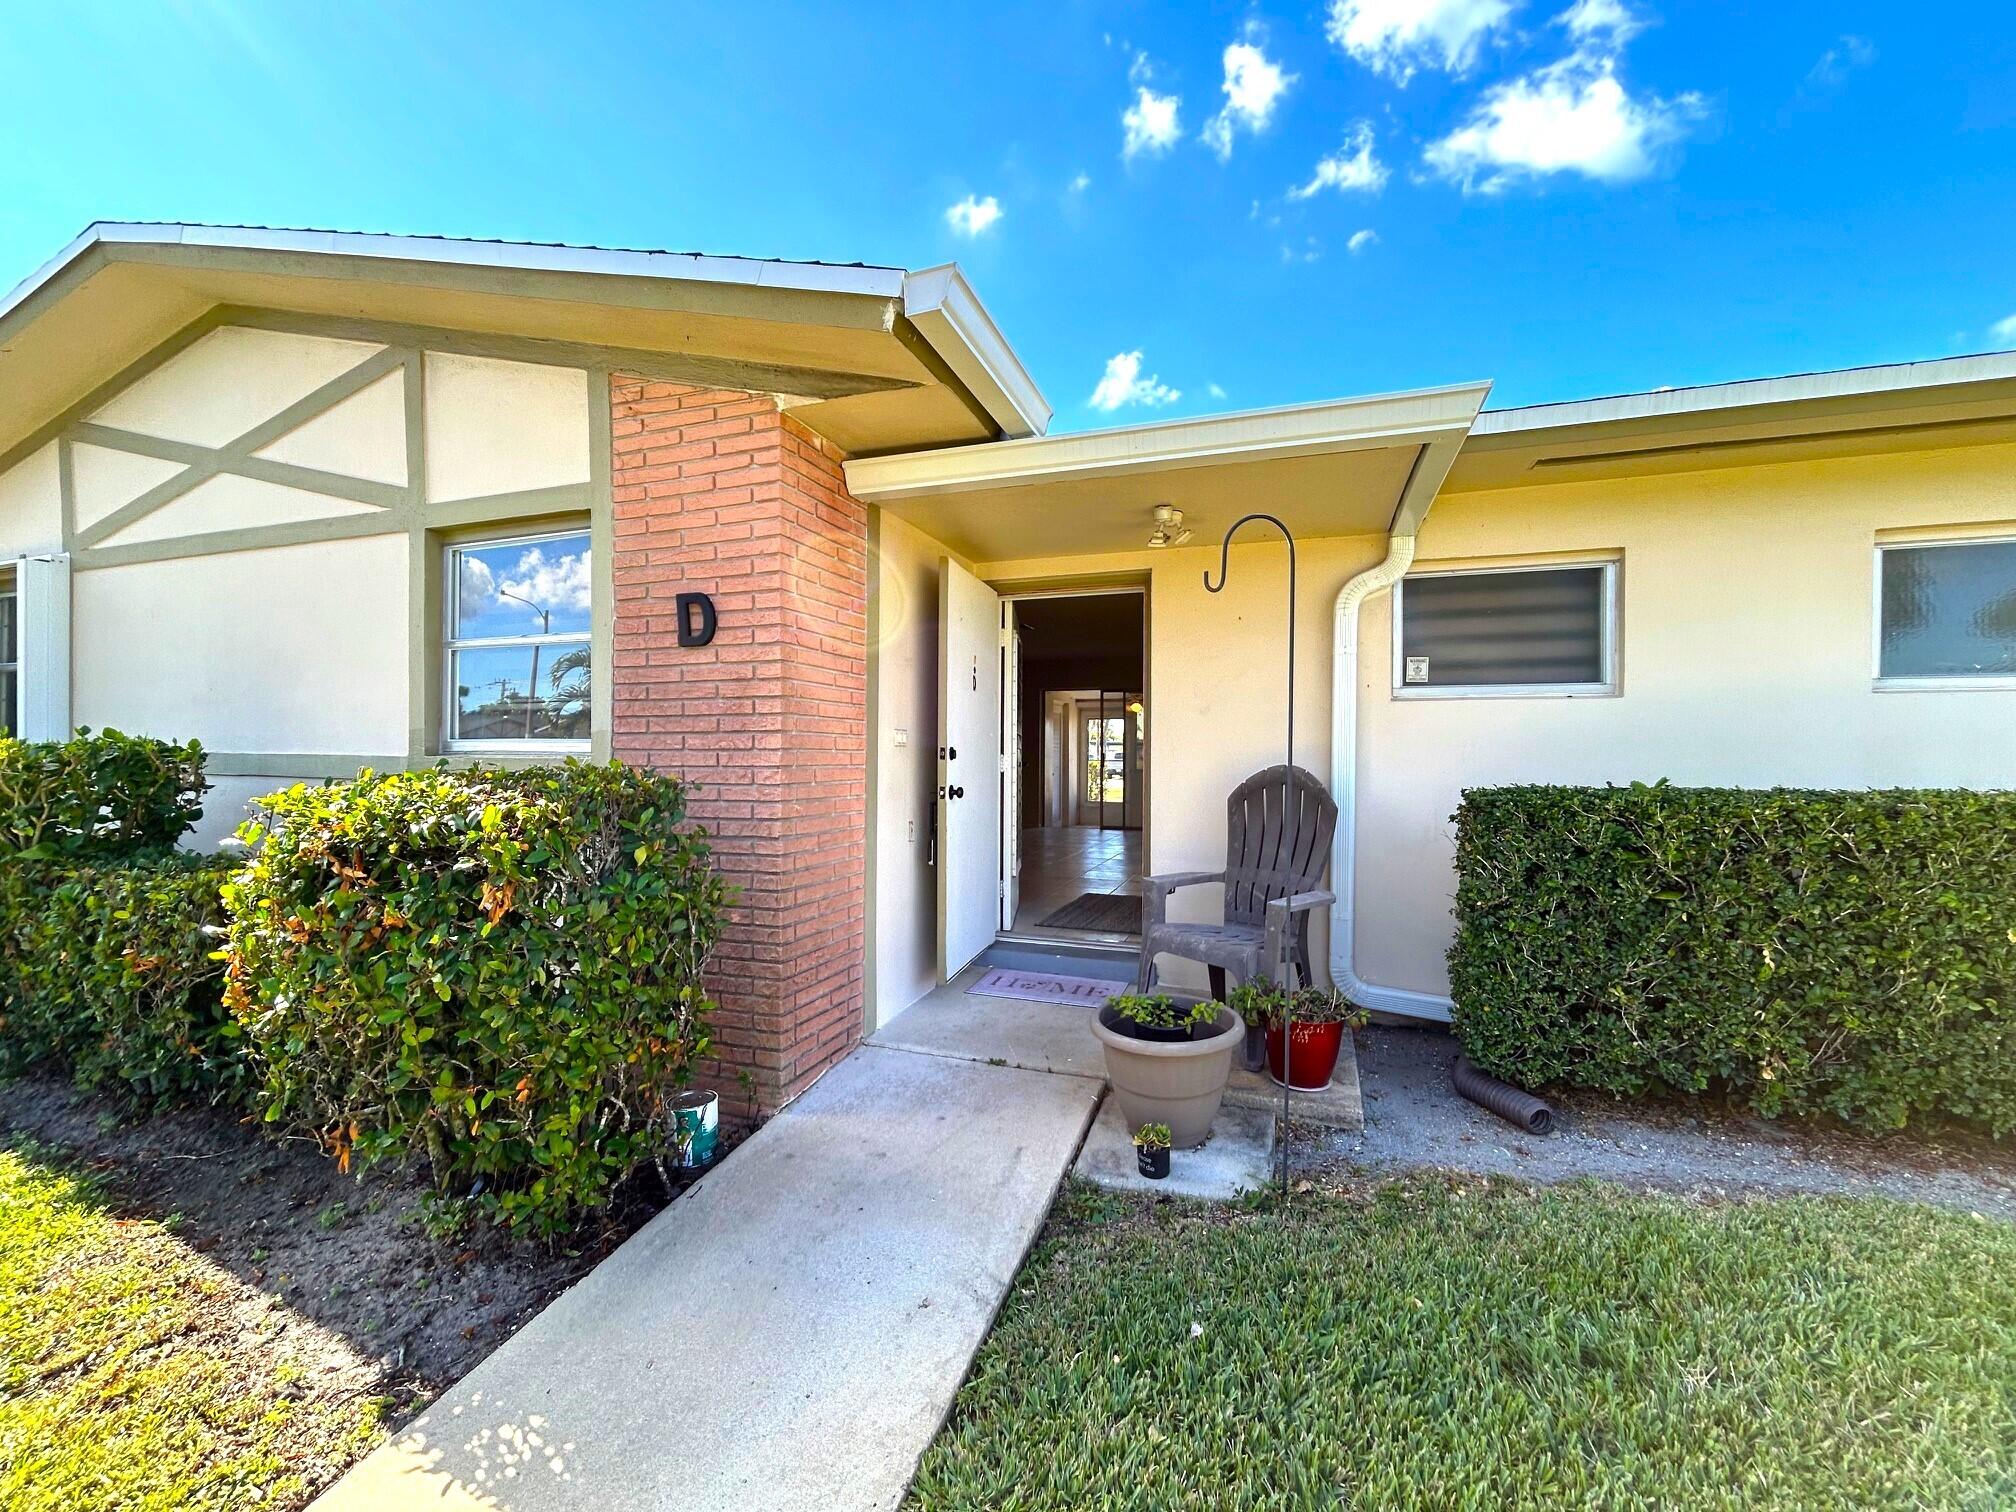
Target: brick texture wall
<point>719,492</point>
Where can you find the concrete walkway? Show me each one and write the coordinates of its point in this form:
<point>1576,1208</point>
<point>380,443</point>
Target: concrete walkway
<point>789,1334</point>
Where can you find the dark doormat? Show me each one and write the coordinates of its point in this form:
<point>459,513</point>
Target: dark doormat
<point>1099,913</point>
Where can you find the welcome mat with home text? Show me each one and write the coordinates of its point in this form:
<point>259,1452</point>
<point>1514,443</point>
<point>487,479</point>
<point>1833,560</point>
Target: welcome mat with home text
<point>1045,987</point>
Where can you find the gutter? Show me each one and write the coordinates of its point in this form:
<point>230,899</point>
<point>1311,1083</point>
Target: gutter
<point>1344,788</point>
<point>948,314</point>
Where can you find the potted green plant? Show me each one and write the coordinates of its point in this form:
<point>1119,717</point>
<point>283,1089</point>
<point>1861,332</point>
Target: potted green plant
<point>1308,1036</point>
<point>1168,1061</point>
<point>1151,1150</point>
<point>1159,1019</point>
<point>1260,1004</point>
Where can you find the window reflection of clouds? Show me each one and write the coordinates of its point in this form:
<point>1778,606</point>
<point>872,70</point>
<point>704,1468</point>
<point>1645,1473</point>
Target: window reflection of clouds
<point>542,587</point>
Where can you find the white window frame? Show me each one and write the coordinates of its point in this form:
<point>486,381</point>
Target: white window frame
<point>451,593</point>
<point>1944,683</point>
<point>1609,687</point>
<point>10,589</point>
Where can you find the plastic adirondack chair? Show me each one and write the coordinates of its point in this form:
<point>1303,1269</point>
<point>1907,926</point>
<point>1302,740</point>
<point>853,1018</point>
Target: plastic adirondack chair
<point>1279,823</point>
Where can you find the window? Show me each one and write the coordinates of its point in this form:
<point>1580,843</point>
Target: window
<point>517,643</point>
<point>1105,760</point>
<point>1535,631</point>
<point>1946,614</point>
<point>10,658</point>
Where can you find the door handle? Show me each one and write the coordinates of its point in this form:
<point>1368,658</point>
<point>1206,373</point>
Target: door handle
<point>956,792</point>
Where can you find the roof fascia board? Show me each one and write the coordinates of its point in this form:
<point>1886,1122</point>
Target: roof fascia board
<point>342,253</point>
<point>690,267</point>
<point>1902,383</point>
<point>948,314</point>
<point>1420,417</point>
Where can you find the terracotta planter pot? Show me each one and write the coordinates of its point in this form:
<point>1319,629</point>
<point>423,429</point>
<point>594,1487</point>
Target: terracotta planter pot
<point>1316,1049</point>
<point>1179,1084</point>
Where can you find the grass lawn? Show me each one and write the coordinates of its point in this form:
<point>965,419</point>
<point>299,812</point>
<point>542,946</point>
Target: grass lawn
<point>134,1374</point>
<point>1443,1345</point>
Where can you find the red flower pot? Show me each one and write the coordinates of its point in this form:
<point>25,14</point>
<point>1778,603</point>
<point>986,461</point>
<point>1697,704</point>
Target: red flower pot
<point>1316,1049</point>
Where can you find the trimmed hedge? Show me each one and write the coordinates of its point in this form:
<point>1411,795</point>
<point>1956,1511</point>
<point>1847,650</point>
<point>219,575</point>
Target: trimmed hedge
<point>497,972</point>
<point>104,963</point>
<point>103,797</point>
<point>109,970</point>
<point>1849,953</point>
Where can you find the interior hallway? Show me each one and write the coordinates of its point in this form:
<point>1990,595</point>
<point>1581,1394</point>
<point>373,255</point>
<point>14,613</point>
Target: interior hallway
<point>1061,863</point>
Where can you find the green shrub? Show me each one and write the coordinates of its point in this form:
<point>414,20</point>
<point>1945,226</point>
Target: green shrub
<point>1852,953</point>
<point>498,972</point>
<point>103,797</point>
<point>104,964</point>
<point>109,971</point>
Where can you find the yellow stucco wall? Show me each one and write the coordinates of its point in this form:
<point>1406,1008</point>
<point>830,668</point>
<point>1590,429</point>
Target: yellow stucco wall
<point>1217,685</point>
<point>31,506</point>
<point>1746,624</point>
<point>1745,649</point>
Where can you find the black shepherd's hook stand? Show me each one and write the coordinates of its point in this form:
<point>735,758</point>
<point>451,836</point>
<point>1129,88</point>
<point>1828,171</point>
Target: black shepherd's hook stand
<point>1287,795</point>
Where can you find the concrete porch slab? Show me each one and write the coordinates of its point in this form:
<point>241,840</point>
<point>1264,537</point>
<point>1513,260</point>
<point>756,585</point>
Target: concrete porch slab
<point>1051,1037</point>
<point>948,1021</point>
<point>1238,1157</point>
<point>788,1335</point>
<point>1338,1106</point>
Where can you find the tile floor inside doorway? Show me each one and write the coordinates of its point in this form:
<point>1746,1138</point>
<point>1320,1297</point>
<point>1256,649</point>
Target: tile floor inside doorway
<point>1060,864</point>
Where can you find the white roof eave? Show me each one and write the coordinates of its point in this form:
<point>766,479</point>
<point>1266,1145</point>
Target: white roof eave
<point>1709,400</point>
<point>1415,418</point>
<point>692,267</point>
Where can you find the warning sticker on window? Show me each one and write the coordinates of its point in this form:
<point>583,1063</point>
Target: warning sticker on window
<point>1417,669</point>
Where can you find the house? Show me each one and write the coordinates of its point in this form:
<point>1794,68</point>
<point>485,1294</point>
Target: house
<point>327,501</point>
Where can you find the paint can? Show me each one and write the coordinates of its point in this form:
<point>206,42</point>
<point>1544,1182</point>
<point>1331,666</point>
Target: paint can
<point>696,1128</point>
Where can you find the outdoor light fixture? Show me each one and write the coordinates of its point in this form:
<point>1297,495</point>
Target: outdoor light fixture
<point>1169,529</point>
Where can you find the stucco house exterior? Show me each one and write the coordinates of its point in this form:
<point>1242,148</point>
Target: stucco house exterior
<point>327,501</point>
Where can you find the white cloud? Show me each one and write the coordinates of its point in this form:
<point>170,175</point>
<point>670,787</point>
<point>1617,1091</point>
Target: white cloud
<point>1606,19</point>
<point>1150,123</point>
<point>1360,240</point>
<point>1308,252</point>
<point>1397,37</point>
<point>1081,183</point>
<point>478,588</point>
<point>1353,166</point>
<point>2004,330</point>
<point>1573,116</point>
<point>1253,86</point>
<point>970,216</point>
<point>1214,391</point>
<point>1845,57</point>
<point>1123,384</point>
<point>550,582</point>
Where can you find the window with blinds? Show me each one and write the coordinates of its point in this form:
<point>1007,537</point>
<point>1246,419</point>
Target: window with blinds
<point>1541,630</point>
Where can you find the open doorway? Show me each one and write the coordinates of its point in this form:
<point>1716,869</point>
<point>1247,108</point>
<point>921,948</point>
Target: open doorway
<point>1077,767</point>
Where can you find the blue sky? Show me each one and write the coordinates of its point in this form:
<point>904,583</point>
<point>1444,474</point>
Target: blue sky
<point>1569,198</point>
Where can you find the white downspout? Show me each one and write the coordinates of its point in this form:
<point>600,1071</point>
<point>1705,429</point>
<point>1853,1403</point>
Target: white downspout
<point>1344,787</point>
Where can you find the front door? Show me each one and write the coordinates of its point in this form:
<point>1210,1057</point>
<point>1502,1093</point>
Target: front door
<point>1011,765</point>
<point>969,767</point>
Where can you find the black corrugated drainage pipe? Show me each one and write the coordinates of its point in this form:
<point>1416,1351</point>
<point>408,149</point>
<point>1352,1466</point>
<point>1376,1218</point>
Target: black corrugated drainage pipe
<point>1502,1098</point>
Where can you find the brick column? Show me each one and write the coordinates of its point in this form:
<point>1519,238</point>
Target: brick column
<point>719,492</point>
